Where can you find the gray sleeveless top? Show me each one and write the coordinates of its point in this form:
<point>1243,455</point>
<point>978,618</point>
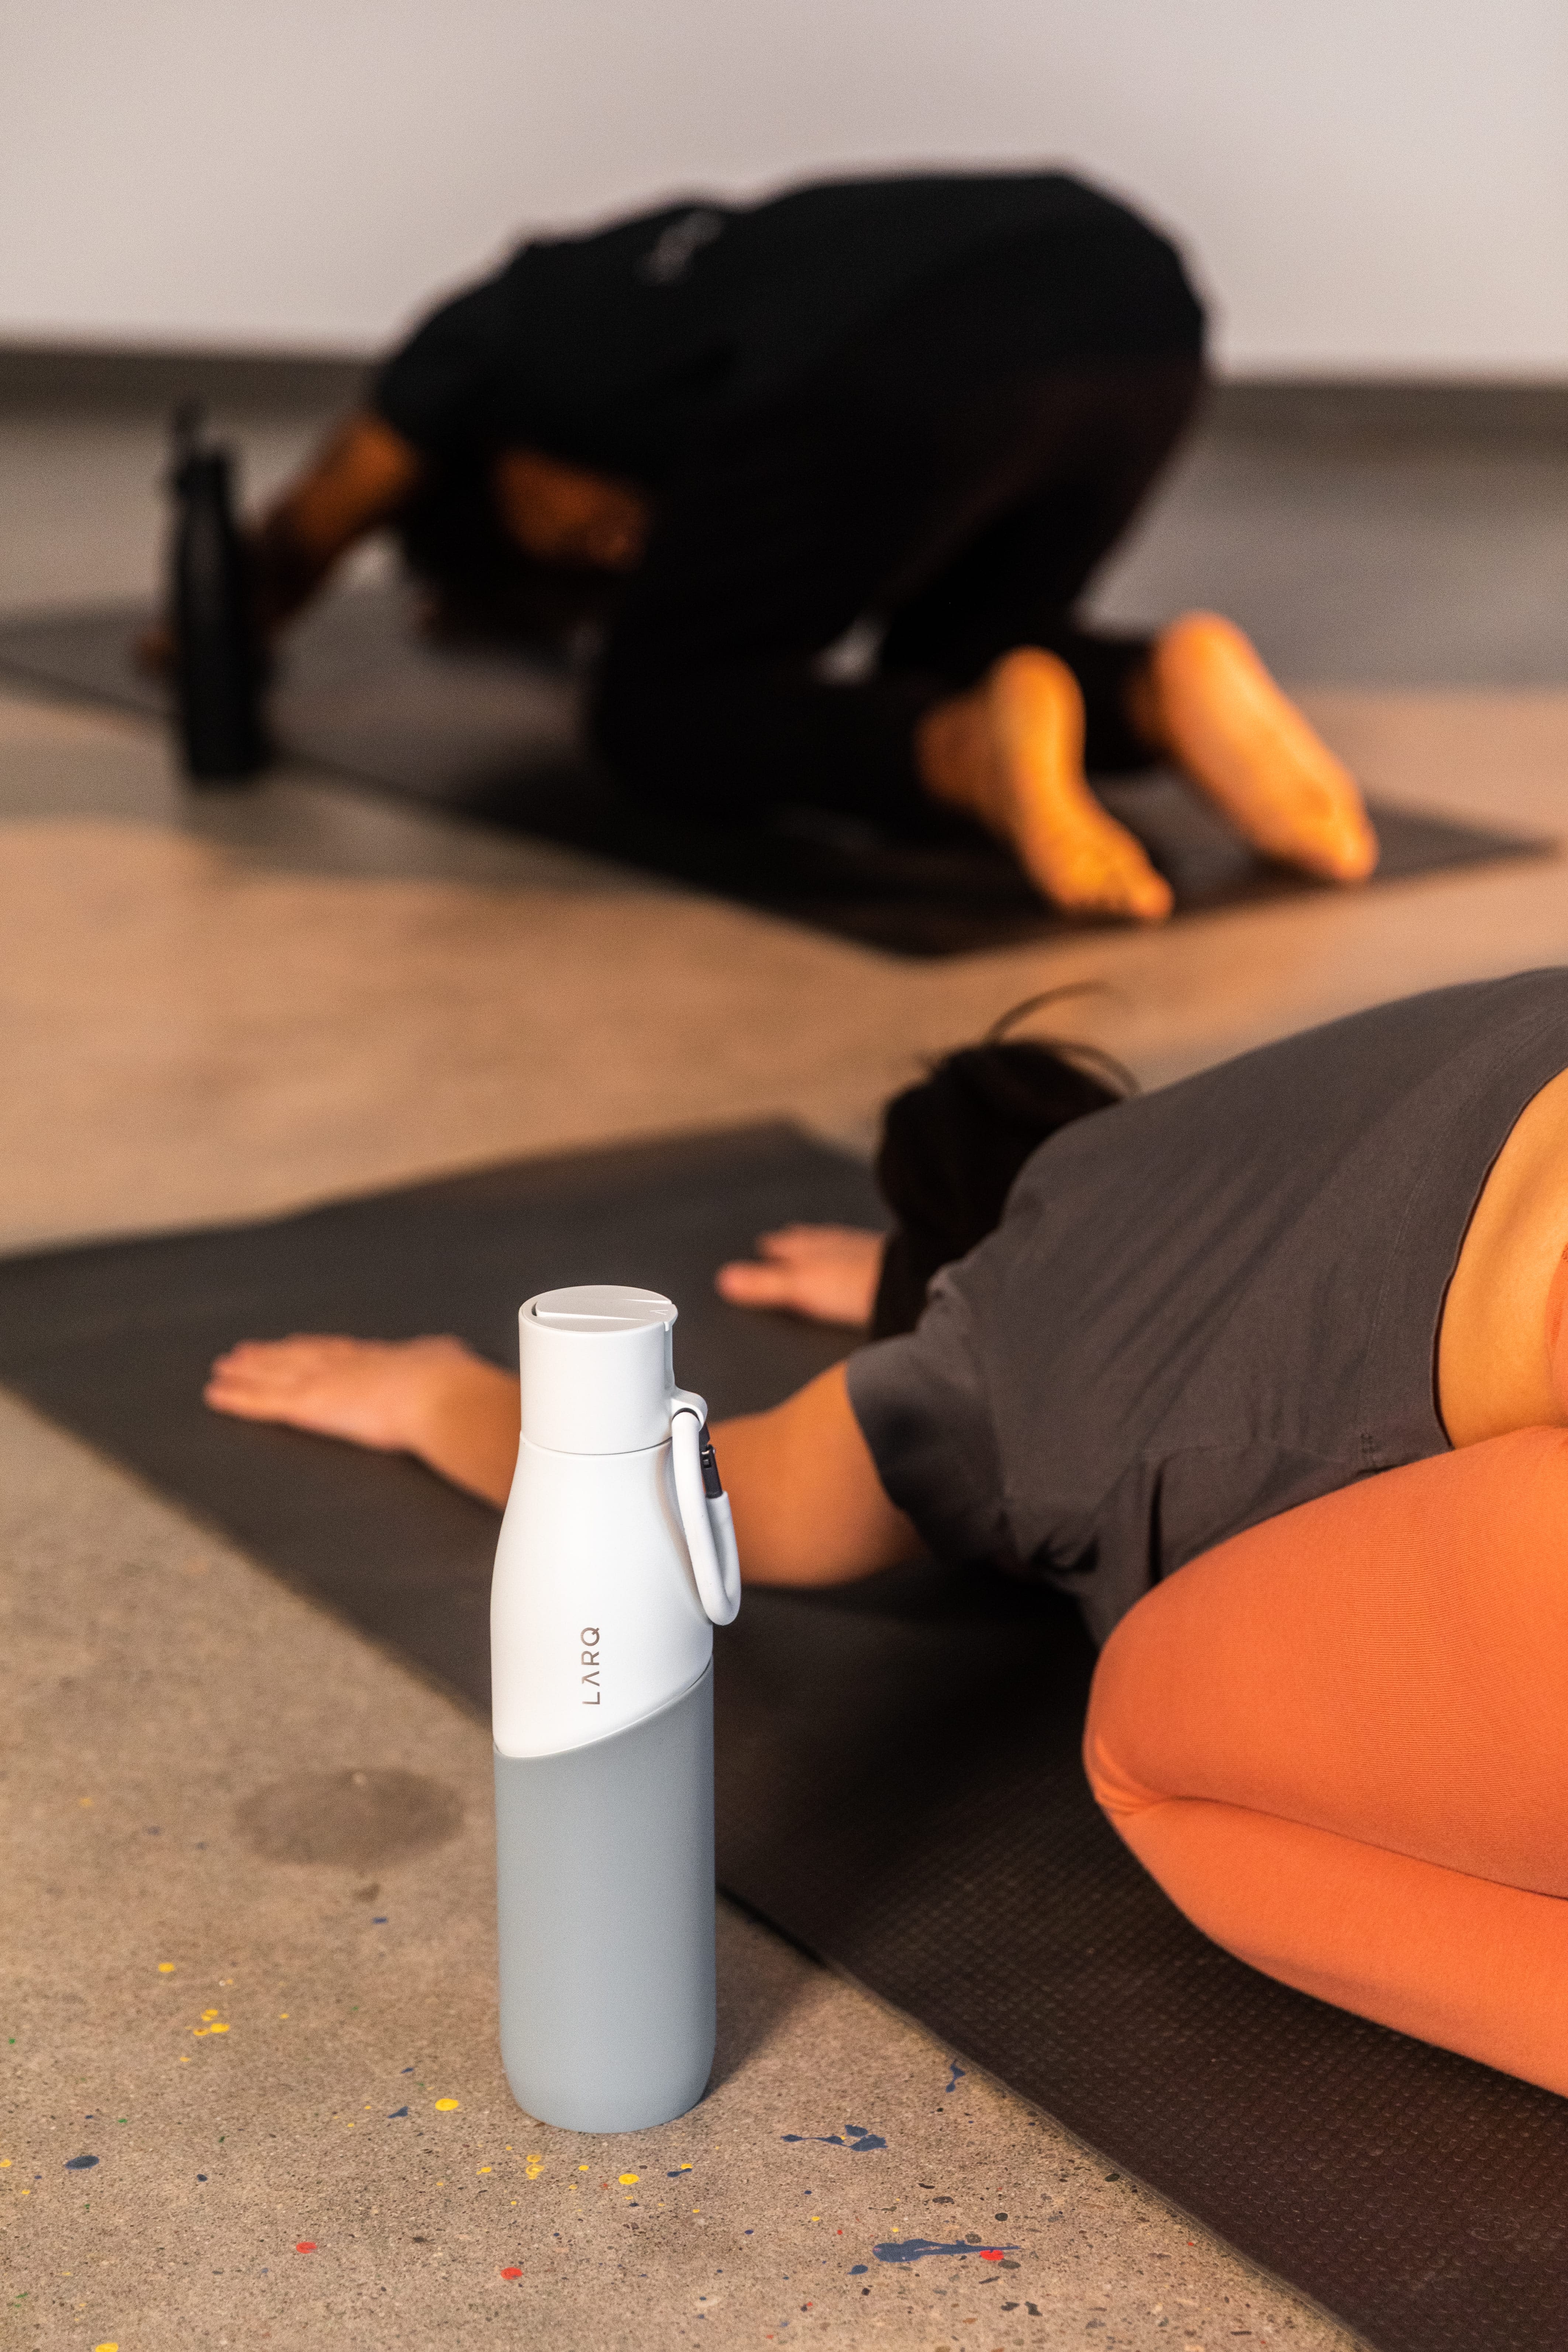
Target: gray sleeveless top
<point>1210,1303</point>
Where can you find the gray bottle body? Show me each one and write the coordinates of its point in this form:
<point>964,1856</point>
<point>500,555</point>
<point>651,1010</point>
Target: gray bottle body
<point>604,1857</point>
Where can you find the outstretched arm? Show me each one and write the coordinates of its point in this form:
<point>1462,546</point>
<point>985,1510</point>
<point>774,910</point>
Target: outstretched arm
<point>363,477</point>
<point>810,1507</point>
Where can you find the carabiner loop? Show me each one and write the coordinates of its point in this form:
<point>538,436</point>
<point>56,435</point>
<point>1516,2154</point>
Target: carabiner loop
<point>705,1516</point>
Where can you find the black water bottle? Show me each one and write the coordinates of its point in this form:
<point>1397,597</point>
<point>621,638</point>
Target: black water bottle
<point>218,663</point>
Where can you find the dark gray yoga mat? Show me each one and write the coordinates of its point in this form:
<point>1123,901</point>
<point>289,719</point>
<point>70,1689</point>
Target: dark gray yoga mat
<point>495,736</point>
<point>898,1784</point>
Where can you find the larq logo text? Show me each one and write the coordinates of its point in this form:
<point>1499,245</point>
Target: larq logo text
<point>592,1695</point>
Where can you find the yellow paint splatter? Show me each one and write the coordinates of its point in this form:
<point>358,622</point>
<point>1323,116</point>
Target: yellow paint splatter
<point>165,1967</point>
<point>534,2165</point>
<point>683,2167</point>
<point>84,1801</point>
<point>207,2013</point>
<point>186,2060</point>
<point>4,2164</point>
<point>582,2168</point>
<point>441,2184</point>
<point>444,2106</point>
<point>485,2167</point>
<point>106,2348</point>
<point>630,2179</point>
<point>282,2014</point>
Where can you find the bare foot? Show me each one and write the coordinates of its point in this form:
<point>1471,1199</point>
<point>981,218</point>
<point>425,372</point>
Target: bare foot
<point>1010,754</point>
<point>827,1273</point>
<point>1210,703</point>
<point>374,1393</point>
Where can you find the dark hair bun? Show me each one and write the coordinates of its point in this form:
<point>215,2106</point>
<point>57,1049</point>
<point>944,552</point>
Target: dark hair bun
<point>953,1147</point>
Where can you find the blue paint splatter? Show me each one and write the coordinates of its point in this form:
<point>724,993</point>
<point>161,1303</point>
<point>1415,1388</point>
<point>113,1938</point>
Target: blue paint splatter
<point>915,2250</point>
<point>859,2270</point>
<point>201,2176</point>
<point>80,2163</point>
<point>954,2079</point>
<point>408,2070</point>
<point>392,2118</point>
<point>860,2141</point>
<point>379,1923</point>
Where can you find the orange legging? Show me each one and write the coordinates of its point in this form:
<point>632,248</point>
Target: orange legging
<point>1340,1743</point>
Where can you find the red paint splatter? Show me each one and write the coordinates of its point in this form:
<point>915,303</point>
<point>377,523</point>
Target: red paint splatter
<point>511,2273</point>
<point>991,2253</point>
<point>306,2246</point>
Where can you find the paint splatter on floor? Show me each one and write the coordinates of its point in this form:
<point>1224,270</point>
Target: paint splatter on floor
<point>915,2250</point>
<point>854,2136</point>
<point>953,2079</point>
<point>80,2163</point>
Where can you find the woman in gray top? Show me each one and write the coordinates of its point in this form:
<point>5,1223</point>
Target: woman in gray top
<point>1202,1307</point>
<point>1295,1328</point>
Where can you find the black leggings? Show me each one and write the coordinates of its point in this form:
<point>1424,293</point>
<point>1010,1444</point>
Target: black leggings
<point>954,472</point>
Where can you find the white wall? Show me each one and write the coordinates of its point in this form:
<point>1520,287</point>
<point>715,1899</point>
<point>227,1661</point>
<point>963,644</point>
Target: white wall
<point>1377,185</point>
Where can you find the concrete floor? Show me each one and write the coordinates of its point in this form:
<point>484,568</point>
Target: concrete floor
<point>223,1007</point>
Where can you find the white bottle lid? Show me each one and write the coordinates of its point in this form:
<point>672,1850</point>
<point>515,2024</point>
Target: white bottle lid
<point>597,1369</point>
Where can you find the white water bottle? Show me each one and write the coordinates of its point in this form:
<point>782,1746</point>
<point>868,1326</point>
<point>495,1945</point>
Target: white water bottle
<point>617,1559</point>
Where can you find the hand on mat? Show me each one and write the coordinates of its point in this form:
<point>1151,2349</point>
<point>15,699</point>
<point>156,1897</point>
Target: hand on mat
<point>433,1398</point>
<point>827,1272</point>
<point>152,650</point>
<point>375,1392</point>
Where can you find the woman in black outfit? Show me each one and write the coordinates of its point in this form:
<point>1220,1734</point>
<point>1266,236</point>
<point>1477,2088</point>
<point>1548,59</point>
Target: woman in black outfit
<point>728,433</point>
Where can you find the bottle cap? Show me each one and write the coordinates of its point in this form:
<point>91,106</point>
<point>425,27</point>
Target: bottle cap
<point>597,1369</point>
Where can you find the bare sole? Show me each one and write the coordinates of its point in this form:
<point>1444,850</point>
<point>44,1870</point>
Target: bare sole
<point>1011,754</point>
<point>1249,750</point>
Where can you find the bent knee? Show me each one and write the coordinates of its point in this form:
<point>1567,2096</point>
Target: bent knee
<point>1115,1758</point>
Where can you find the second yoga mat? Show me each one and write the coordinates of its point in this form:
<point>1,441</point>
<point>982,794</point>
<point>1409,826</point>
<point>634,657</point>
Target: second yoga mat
<point>899,1783</point>
<point>496,736</point>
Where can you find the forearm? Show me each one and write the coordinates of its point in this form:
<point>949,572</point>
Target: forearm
<point>361,479</point>
<point>810,1507</point>
<point>464,1428</point>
